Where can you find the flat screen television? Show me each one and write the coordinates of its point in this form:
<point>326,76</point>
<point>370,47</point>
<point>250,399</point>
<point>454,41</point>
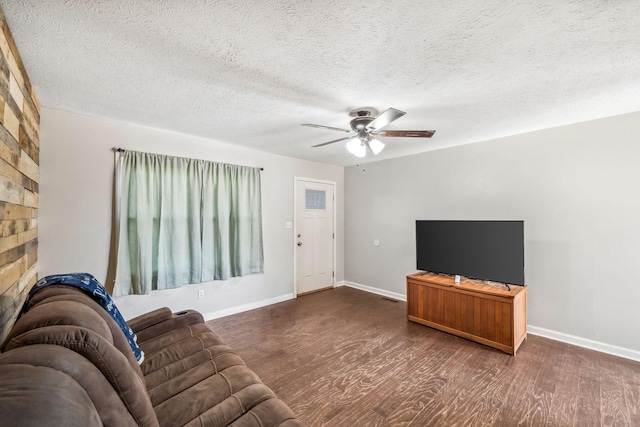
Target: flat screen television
<point>486,250</point>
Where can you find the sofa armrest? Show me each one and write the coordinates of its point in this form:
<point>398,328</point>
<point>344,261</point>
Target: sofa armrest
<point>160,321</point>
<point>173,322</point>
<point>149,319</point>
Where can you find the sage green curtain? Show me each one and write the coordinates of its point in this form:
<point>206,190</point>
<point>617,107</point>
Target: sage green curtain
<point>185,221</point>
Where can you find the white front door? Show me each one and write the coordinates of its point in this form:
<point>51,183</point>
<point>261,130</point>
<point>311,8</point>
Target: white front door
<point>314,235</point>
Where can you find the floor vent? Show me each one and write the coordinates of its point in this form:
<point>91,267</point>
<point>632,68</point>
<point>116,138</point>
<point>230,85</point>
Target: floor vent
<point>390,299</point>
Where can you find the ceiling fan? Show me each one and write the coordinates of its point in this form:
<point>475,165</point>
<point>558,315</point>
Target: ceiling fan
<point>366,127</point>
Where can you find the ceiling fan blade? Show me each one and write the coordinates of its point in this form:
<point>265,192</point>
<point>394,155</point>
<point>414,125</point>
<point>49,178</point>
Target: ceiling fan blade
<point>406,133</point>
<point>387,116</point>
<point>331,142</point>
<point>325,127</point>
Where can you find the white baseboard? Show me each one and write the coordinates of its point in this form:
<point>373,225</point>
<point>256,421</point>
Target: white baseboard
<point>534,330</point>
<point>246,307</point>
<point>586,343</point>
<point>384,293</point>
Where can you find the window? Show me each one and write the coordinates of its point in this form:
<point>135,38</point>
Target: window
<point>185,221</point>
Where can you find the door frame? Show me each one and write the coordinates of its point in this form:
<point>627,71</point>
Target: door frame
<point>296,181</point>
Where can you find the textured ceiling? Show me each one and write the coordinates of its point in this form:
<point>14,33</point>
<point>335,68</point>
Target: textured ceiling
<point>251,72</point>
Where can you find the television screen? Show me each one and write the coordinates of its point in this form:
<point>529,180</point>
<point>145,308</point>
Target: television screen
<point>486,250</point>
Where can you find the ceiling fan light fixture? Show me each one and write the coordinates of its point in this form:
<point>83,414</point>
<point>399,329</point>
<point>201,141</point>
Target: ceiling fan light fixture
<point>376,146</point>
<point>366,124</point>
<point>361,152</point>
<point>356,147</point>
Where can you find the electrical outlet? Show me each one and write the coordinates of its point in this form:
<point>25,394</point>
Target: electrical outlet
<point>200,293</point>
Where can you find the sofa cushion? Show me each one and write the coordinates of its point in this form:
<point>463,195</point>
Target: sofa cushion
<point>194,379</point>
<point>33,396</point>
<point>108,405</point>
<point>177,345</point>
<point>170,366</point>
<point>272,412</point>
<point>97,350</point>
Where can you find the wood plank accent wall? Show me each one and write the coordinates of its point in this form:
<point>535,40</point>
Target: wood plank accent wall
<point>19,177</point>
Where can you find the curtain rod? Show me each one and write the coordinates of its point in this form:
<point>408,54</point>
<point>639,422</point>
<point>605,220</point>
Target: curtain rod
<point>122,150</point>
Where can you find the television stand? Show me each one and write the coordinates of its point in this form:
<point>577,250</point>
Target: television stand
<point>483,313</point>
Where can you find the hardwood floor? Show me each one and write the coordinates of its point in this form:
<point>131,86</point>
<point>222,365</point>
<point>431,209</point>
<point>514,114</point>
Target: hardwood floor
<point>344,357</point>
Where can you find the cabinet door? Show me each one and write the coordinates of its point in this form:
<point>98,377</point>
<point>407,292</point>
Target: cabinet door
<point>487,319</point>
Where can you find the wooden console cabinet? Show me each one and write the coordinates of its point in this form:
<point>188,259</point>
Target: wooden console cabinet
<point>486,314</point>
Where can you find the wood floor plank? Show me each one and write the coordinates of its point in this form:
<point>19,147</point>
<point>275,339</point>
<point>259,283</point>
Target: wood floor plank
<point>565,397</point>
<point>340,349</point>
<point>589,395</point>
<point>518,391</point>
<point>482,395</point>
<point>631,386</point>
<point>438,408</point>
<point>344,357</point>
<point>354,379</point>
<point>614,409</point>
<point>400,397</point>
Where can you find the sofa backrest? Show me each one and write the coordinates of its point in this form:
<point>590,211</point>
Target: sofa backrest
<point>66,293</point>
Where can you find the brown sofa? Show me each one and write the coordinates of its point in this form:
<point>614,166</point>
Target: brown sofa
<point>66,363</point>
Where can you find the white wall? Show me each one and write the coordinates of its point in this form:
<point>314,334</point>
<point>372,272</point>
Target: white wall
<point>576,188</point>
<point>76,169</point>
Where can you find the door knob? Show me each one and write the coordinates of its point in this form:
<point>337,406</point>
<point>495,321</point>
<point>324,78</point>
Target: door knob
<point>299,243</point>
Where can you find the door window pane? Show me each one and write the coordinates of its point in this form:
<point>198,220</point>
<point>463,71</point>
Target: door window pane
<point>315,199</point>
